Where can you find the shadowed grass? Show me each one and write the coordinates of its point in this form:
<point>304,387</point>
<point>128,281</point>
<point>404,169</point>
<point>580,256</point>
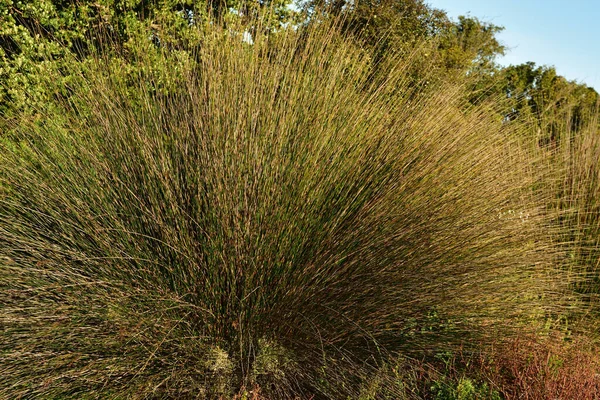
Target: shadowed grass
<point>265,214</point>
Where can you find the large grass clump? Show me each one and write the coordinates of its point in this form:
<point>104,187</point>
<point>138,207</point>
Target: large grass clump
<point>268,214</point>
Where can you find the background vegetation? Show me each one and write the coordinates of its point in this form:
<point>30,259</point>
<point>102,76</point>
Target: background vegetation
<point>252,200</point>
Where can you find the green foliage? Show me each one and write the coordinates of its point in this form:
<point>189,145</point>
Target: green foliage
<point>556,106</point>
<point>39,38</point>
<point>405,26</point>
<point>464,389</point>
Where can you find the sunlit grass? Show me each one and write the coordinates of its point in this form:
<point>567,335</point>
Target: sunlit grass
<point>267,214</point>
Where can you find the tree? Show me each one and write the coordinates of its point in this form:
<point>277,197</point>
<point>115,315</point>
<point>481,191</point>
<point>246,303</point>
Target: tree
<point>445,46</point>
<point>36,35</point>
<point>556,105</point>
<point>470,44</point>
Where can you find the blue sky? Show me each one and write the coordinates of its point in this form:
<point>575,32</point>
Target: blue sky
<point>562,33</point>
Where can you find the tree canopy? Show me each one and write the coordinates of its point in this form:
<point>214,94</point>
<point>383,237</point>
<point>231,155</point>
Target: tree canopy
<point>36,35</point>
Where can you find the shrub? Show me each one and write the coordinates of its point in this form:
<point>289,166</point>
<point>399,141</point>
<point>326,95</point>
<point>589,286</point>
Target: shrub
<point>546,368</point>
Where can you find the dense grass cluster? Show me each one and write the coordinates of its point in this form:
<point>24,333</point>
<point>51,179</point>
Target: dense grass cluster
<point>270,215</point>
